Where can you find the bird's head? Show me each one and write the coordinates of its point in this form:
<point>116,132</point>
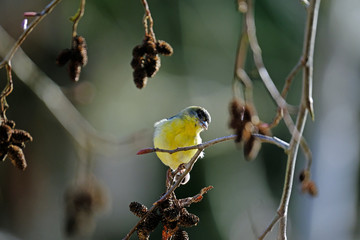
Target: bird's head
<point>199,115</point>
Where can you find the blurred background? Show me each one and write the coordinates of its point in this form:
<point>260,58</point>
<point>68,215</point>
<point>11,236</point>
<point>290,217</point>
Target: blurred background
<point>200,72</point>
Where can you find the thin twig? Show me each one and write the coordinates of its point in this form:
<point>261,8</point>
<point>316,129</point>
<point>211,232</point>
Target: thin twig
<point>264,74</point>
<point>78,16</point>
<point>269,227</point>
<point>148,20</point>
<point>308,53</point>
<point>6,91</point>
<point>57,103</point>
<point>274,140</point>
<point>28,30</point>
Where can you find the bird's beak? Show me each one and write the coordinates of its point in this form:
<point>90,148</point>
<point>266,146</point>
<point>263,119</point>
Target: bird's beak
<point>204,125</point>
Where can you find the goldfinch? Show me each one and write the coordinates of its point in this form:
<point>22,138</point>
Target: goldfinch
<point>181,130</point>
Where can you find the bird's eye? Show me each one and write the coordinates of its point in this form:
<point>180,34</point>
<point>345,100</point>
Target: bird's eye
<point>202,115</point>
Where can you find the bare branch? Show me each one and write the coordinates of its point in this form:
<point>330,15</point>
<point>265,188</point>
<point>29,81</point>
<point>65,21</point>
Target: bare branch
<point>48,9</point>
<point>263,138</point>
<point>77,17</point>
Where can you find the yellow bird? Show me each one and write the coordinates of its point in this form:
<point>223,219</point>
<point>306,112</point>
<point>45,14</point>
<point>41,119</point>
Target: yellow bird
<point>181,130</point>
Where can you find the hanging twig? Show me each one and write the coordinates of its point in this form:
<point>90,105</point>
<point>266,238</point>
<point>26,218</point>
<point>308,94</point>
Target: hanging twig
<point>76,18</point>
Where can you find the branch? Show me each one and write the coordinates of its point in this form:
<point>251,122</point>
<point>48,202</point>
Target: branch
<point>263,138</point>
<point>28,30</point>
<point>308,54</point>
<point>147,18</point>
<point>76,19</point>
<point>57,103</point>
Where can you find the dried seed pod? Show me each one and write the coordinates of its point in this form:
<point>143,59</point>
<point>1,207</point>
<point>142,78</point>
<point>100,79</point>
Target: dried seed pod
<point>150,47</point>
<point>138,51</point>
<point>263,128</point>
<point>152,65</point>
<point>304,175</point>
<point>137,62</point>
<point>10,123</point>
<point>74,70</point>
<point>251,148</point>
<point>3,151</point>
<point>181,235</point>
<point>63,57</point>
<point>19,144</point>
<point>79,50</point>
<point>17,157</point>
<point>188,219</point>
<point>171,214</point>
<point>166,204</point>
<point>21,136</point>
<point>143,235</point>
<point>164,48</point>
<point>239,115</point>
<point>309,187</point>
<point>150,222</point>
<point>138,209</point>
<point>5,133</point>
<point>140,77</point>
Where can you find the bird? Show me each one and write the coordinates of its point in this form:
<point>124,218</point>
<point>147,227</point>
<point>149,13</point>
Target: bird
<point>181,130</point>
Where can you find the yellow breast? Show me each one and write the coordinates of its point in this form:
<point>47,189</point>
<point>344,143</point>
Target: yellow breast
<point>173,133</point>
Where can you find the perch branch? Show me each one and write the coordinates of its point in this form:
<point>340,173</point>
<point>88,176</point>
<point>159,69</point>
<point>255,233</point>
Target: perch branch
<point>274,140</point>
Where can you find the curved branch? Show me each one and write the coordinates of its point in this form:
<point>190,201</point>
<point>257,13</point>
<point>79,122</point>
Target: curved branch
<point>48,9</point>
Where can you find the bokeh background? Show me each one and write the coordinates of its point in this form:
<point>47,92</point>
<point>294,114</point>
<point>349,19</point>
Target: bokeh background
<point>204,35</point>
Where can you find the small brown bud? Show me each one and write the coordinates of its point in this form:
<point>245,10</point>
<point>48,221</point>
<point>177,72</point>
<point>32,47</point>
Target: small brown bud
<point>5,133</point>
<point>21,136</point>
<point>150,222</point>
<point>304,175</point>
<point>263,128</point>
<point>143,235</point>
<point>309,187</point>
<point>181,235</point>
<point>17,157</point>
<point>10,123</point>
<point>152,65</point>
<point>137,62</point>
<point>251,148</point>
<point>140,78</point>
<point>138,51</point>
<point>79,50</point>
<point>63,57</point>
<point>188,219</point>
<point>171,214</point>
<point>164,48</point>
<point>239,115</point>
<point>138,209</point>
<point>74,70</point>
<point>150,47</point>
<point>166,204</point>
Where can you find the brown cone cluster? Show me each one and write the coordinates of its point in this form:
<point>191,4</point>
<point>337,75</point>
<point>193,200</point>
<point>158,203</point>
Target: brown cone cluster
<point>83,201</point>
<point>76,56</point>
<point>307,185</point>
<point>12,143</point>
<point>146,61</point>
<point>245,122</point>
<point>172,214</point>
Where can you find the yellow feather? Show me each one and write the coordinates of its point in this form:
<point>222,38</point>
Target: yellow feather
<point>181,130</point>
